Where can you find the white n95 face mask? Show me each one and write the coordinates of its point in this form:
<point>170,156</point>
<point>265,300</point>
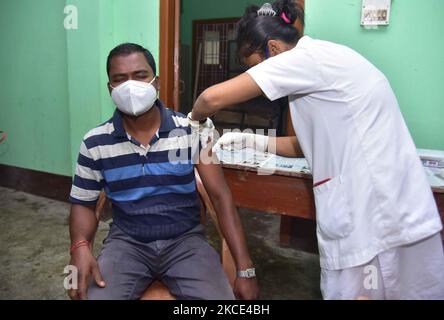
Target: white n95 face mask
<point>134,97</point>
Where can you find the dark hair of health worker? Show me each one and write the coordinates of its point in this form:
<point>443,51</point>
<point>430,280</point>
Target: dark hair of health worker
<point>256,28</point>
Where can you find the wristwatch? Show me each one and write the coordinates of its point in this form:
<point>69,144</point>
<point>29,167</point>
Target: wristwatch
<point>248,273</point>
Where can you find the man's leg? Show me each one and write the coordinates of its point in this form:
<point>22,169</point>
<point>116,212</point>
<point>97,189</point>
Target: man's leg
<point>193,269</point>
<point>124,269</point>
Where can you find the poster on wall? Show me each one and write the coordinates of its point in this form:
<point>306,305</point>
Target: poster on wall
<point>375,12</point>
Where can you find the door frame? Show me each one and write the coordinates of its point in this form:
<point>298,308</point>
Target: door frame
<point>169,68</point>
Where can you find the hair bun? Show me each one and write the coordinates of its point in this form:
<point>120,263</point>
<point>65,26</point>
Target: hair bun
<point>292,9</point>
<point>251,11</point>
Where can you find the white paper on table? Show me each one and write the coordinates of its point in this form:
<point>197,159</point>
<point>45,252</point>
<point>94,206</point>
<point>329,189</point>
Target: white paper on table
<point>431,158</point>
<point>435,176</point>
<point>433,162</point>
<point>246,157</point>
<point>269,162</point>
<point>287,164</point>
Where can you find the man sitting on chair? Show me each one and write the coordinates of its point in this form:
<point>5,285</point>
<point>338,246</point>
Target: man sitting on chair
<point>137,157</point>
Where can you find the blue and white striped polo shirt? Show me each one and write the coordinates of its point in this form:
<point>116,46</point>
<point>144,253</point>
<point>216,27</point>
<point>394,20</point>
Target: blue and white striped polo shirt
<point>153,189</point>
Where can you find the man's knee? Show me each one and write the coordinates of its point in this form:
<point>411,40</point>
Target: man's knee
<point>97,293</point>
<point>199,276</point>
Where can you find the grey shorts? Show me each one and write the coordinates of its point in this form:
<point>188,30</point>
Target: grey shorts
<point>187,265</point>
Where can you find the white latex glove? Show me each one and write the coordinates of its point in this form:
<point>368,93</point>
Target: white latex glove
<point>202,131</point>
<point>238,141</point>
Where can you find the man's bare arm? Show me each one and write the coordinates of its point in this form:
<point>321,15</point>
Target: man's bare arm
<point>82,226</point>
<point>230,224</point>
<point>82,223</point>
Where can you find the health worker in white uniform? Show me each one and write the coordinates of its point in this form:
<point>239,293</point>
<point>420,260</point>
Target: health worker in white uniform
<point>378,226</point>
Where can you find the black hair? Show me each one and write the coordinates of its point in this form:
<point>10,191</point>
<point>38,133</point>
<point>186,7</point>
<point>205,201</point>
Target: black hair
<point>125,49</point>
<point>254,30</point>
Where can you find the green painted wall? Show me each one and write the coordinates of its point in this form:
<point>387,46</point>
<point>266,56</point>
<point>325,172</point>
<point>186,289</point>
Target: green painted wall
<point>103,24</point>
<point>410,51</point>
<point>54,88</point>
<point>34,88</point>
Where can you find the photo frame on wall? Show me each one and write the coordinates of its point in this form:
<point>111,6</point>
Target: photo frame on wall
<point>375,12</point>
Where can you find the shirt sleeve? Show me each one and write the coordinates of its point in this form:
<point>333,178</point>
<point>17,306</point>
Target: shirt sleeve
<point>88,179</point>
<point>290,73</point>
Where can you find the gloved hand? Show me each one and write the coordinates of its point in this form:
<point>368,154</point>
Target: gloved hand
<point>238,141</point>
<point>202,131</point>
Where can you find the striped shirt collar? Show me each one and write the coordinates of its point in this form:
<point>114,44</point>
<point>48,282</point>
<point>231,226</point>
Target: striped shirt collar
<point>166,121</point>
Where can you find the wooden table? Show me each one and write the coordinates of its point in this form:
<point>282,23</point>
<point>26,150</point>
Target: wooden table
<point>289,194</point>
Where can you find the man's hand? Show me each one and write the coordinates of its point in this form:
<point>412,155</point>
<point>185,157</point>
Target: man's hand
<point>202,131</point>
<point>86,264</point>
<point>238,141</point>
<point>246,289</point>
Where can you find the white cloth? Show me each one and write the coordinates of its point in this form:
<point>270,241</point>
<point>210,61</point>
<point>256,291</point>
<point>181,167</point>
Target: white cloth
<point>414,271</point>
<point>351,131</point>
<point>201,132</point>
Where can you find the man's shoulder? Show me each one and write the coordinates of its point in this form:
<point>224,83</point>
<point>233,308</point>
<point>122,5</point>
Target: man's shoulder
<point>171,112</point>
<point>180,120</point>
<point>104,129</point>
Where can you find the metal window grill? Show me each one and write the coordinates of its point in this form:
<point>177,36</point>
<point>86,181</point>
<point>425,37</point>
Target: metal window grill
<point>212,61</point>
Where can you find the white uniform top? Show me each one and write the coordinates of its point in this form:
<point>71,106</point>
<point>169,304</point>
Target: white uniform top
<point>351,131</point>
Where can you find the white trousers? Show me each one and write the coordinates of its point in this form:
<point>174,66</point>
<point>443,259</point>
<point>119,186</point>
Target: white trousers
<point>414,271</point>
